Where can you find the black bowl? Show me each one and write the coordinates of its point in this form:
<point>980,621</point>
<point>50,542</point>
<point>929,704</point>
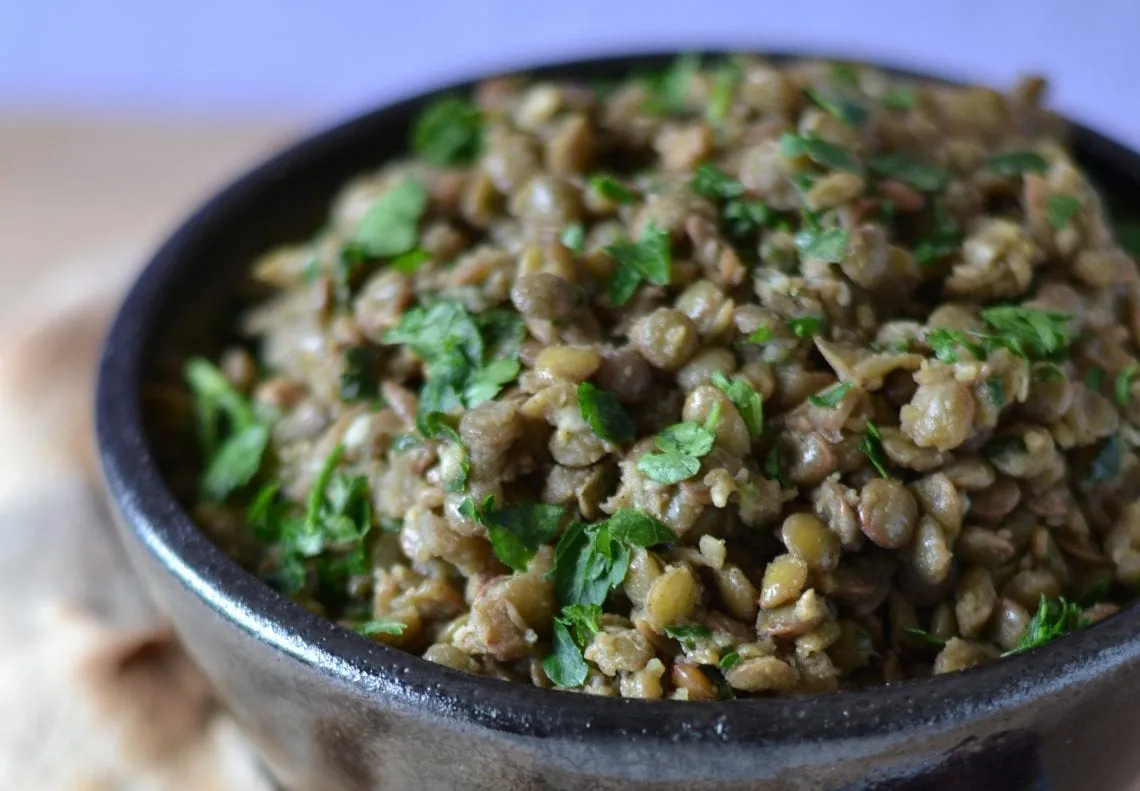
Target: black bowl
<point>333,711</point>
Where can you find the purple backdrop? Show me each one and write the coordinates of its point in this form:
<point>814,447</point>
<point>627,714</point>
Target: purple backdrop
<point>328,58</point>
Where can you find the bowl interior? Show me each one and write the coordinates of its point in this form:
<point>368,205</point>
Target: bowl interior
<point>184,303</point>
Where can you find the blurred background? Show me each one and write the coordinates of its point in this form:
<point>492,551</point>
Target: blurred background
<point>115,116</point>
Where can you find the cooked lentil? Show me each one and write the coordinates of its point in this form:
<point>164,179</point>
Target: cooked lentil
<point>740,379</point>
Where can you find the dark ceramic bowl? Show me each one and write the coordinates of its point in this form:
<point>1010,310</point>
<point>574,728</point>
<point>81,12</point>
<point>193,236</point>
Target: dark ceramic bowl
<point>331,711</point>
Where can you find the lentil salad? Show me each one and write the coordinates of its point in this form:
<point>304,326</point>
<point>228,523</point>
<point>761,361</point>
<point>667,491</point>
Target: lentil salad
<point>730,380</point>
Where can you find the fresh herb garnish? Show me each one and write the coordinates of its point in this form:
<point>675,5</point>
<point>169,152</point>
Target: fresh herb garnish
<point>680,448</point>
<point>469,357</point>
<point>1030,333</point>
<point>1015,163</point>
<point>1094,378</point>
<point>1106,463</point>
<point>649,258</point>
<point>409,262</point>
<point>1060,210</point>
<point>360,379</point>
<point>745,398</point>
<point>233,435</point>
<point>573,238</point>
<point>725,79</point>
<point>713,183</point>
<point>449,132</point>
<point>759,336</point>
<point>899,97</point>
<point>823,244</point>
<point>849,112</point>
<point>924,636</point>
<point>611,189</point>
<point>925,178</point>
<point>995,391</point>
<point>590,560</point>
<point>740,215</point>
<point>669,91</point>
<point>772,465</point>
<point>845,74</point>
<point>604,413</point>
<point>832,397</point>
<point>1122,387</point>
<point>872,448</point>
<point>822,152</point>
<point>805,326</point>
<point>565,666</point>
<point>379,627</point>
<point>729,661</point>
<point>944,239</point>
<point>390,227</point>
<point>515,533</point>
<point>688,634</point>
<point>1054,618</point>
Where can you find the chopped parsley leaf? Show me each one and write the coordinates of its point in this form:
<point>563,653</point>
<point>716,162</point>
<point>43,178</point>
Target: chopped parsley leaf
<point>449,132</point>
<point>1061,209</point>
<point>680,448</point>
<point>823,244</point>
<point>772,465</point>
<point>849,112</point>
<point>360,379</point>
<point>390,227</point>
<point>725,79</point>
<point>517,532</point>
<point>899,97</point>
<point>744,397</point>
<point>590,560</point>
<point>713,183</point>
<point>872,447</point>
<point>729,661</point>
<point>410,261</point>
<point>1094,378</point>
<point>369,628</point>
<point>573,238</point>
<point>1054,618</point>
<point>604,413</point>
<point>1015,163</point>
<point>806,326</point>
<point>688,634</point>
<point>584,621</point>
<point>1031,333</point>
<point>565,666</point>
<point>924,636</point>
<point>832,397</point>
<point>1122,387</point>
<point>649,258</point>
<point>925,178</point>
<point>611,189</point>
<point>995,391</point>
<point>944,239</point>
<point>234,437</point>
<point>759,336</point>
<point>669,91</point>
<point>845,74</point>
<point>822,152</point>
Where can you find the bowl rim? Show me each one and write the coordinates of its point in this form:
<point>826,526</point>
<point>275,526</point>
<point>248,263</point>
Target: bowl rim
<point>396,678</point>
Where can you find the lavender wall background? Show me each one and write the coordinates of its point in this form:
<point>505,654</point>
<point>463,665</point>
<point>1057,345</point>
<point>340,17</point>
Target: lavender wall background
<point>322,60</point>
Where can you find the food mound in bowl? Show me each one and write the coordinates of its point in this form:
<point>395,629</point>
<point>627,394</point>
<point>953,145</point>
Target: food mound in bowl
<point>730,379</point>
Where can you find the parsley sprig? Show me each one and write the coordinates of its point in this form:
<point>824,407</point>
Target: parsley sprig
<point>741,215</point>
<point>590,560</point>
<point>650,258</point>
<point>233,435</point>
<point>468,357</point>
<point>1054,618</point>
<point>1031,333</point>
<point>680,448</point>
<point>449,132</point>
<point>604,413</point>
<point>517,532</point>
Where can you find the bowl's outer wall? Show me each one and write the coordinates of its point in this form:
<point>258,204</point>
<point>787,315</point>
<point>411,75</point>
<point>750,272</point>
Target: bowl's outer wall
<point>331,711</point>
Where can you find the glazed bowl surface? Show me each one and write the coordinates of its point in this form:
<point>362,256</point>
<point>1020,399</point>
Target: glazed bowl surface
<point>333,711</point>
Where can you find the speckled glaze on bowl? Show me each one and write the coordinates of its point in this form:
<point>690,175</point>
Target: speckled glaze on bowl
<point>332,711</point>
